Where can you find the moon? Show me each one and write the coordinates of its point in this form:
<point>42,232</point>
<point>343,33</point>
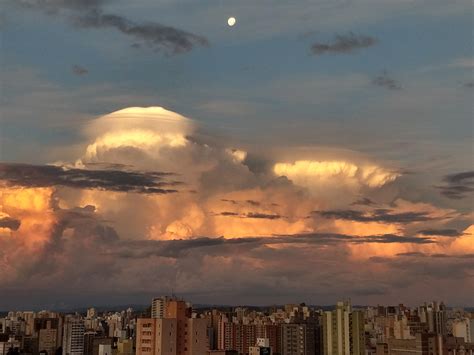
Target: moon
<point>231,21</point>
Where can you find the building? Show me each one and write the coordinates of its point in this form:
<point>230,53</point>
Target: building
<point>47,330</point>
<point>298,339</point>
<point>73,336</point>
<point>343,331</point>
<point>105,349</point>
<point>156,336</point>
<point>262,347</point>
<point>462,328</point>
<point>158,306</point>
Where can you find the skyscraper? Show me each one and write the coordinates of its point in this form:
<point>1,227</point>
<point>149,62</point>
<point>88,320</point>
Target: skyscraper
<point>343,331</point>
<point>73,336</point>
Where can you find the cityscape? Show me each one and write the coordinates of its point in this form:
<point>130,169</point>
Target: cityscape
<point>236,177</point>
<point>172,326</point>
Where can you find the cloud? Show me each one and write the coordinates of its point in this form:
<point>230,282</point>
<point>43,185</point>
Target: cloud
<point>441,232</point>
<point>79,70</point>
<point>469,85</point>
<point>363,202</point>
<point>89,14</point>
<point>344,44</point>
<point>457,186</point>
<point>377,215</point>
<point>10,223</point>
<point>308,173</point>
<point>385,81</point>
<point>25,175</point>
<point>79,229</point>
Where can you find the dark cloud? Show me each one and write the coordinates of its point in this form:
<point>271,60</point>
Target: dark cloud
<point>253,203</point>
<point>414,254</point>
<point>441,232</point>
<point>344,44</point>
<point>228,214</point>
<point>469,85</point>
<point>10,223</point>
<point>377,215</point>
<point>252,215</point>
<point>363,202</point>
<point>89,14</point>
<point>111,180</point>
<point>457,186</point>
<point>385,81</point>
<point>78,70</point>
<point>180,247</point>
<point>262,215</point>
<point>234,202</point>
<point>156,36</point>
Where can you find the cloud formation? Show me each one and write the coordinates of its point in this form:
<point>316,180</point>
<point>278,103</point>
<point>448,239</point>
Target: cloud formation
<point>377,215</point>
<point>90,14</point>
<point>344,44</point>
<point>79,70</point>
<point>103,219</point>
<point>10,223</point>
<point>24,175</point>
<point>384,80</point>
<point>458,186</point>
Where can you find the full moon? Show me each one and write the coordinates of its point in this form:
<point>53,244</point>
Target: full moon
<point>231,21</point>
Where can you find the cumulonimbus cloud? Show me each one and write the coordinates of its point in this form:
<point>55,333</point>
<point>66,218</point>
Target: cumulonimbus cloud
<point>235,212</point>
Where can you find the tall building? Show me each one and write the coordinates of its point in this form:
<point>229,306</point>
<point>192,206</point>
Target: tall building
<point>462,329</point>
<point>158,306</point>
<point>174,334</point>
<point>298,339</point>
<point>73,336</point>
<point>343,331</point>
<point>47,330</point>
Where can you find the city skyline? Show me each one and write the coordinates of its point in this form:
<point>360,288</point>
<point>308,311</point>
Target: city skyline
<point>174,326</point>
<point>236,152</point>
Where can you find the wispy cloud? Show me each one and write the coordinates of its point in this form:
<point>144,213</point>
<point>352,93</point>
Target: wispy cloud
<point>457,186</point>
<point>79,70</point>
<point>441,232</point>
<point>89,14</point>
<point>111,180</point>
<point>384,80</point>
<point>344,44</point>
<point>378,215</point>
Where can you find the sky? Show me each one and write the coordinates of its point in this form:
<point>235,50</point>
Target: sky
<point>317,150</point>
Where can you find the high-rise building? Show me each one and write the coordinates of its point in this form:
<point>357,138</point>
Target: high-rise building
<point>298,339</point>
<point>156,336</point>
<point>174,334</point>
<point>343,331</point>
<point>73,336</point>
<point>158,307</point>
<point>462,329</point>
<point>47,330</point>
